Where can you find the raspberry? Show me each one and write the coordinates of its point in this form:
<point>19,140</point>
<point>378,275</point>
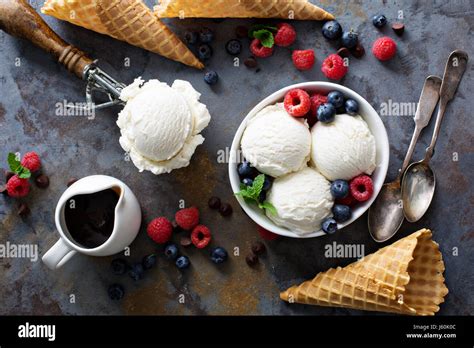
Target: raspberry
<point>297,102</point>
<point>384,48</point>
<point>333,67</point>
<point>303,59</point>
<point>285,35</point>
<point>160,230</point>
<point>361,188</point>
<point>201,236</point>
<point>260,51</point>
<point>348,200</point>
<point>187,218</point>
<point>17,187</point>
<point>316,101</point>
<point>31,161</point>
<point>267,235</point>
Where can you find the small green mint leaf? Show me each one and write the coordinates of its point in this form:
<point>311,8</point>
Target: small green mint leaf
<point>258,27</point>
<point>24,173</point>
<point>268,206</point>
<point>265,36</point>
<point>257,185</point>
<point>13,163</point>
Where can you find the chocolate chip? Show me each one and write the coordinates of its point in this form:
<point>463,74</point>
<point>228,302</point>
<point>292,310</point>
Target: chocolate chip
<point>71,181</point>
<point>241,31</point>
<point>251,62</point>
<point>185,241</point>
<point>343,52</point>
<point>398,28</point>
<point>3,189</point>
<point>176,227</point>
<point>23,209</point>
<point>251,259</point>
<point>8,175</point>
<point>358,51</point>
<point>214,202</point>
<point>225,209</point>
<point>42,181</point>
<point>258,248</point>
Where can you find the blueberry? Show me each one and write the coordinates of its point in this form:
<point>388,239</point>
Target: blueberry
<point>211,77</point>
<point>233,47</point>
<point>341,212</point>
<point>171,251</point>
<point>246,170</point>
<point>191,37</point>
<point>119,266</point>
<point>267,183</point>
<point>116,292</point>
<point>339,188</point>
<point>329,225</point>
<point>352,107</point>
<point>219,255</point>
<point>204,51</point>
<point>262,196</point>
<point>183,262</point>
<point>379,20</point>
<point>326,112</point>
<point>349,39</point>
<point>149,261</point>
<point>247,181</point>
<point>206,35</point>
<point>136,272</point>
<point>336,98</point>
<point>332,30</point>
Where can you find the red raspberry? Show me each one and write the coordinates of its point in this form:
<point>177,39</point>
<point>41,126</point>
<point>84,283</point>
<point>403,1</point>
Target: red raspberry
<point>348,200</point>
<point>285,35</point>
<point>303,59</point>
<point>160,230</point>
<point>384,48</point>
<point>361,188</point>
<point>17,187</point>
<point>316,101</point>
<point>297,102</point>
<point>260,51</point>
<point>31,161</point>
<point>187,218</point>
<point>267,235</point>
<point>333,67</point>
<point>201,236</point>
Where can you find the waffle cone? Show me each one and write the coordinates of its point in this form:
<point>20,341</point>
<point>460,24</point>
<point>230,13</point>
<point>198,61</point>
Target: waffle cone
<point>287,9</point>
<point>127,20</point>
<point>405,277</point>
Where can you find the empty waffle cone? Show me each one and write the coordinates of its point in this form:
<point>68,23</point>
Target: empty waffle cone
<point>127,20</point>
<point>405,277</point>
<point>288,9</point>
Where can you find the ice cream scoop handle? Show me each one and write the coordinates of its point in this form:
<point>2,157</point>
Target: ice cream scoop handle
<point>19,19</point>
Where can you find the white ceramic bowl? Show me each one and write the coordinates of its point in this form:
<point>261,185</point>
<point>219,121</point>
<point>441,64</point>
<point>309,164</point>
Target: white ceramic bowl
<point>368,114</point>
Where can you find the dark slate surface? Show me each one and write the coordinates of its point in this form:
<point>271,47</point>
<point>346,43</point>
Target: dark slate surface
<point>74,146</point>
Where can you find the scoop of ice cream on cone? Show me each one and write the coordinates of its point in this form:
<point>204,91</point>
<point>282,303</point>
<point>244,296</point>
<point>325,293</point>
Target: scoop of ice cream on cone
<point>405,277</point>
<point>288,9</point>
<point>160,125</point>
<point>127,20</point>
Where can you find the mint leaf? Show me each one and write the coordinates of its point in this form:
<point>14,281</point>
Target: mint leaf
<point>268,206</point>
<point>258,27</point>
<point>257,185</point>
<point>17,168</point>
<point>265,37</point>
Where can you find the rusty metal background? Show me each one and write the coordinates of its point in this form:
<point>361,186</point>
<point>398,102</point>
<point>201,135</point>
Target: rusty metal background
<point>77,147</point>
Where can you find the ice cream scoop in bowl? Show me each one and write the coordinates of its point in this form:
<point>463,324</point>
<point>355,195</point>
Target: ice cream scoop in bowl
<point>317,201</point>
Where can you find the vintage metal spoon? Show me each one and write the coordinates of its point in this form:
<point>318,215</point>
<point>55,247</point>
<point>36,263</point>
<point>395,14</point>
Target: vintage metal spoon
<point>419,182</point>
<point>386,213</point>
<point>19,19</point>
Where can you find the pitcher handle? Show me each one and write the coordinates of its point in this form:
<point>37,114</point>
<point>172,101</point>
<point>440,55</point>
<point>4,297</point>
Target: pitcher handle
<point>58,255</point>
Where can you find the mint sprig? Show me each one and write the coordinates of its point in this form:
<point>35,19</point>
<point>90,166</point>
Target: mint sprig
<point>17,168</point>
<point>252,194</point>
<point>264,33</point>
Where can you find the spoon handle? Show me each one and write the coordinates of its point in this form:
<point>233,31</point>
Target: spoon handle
<point>453,72</point>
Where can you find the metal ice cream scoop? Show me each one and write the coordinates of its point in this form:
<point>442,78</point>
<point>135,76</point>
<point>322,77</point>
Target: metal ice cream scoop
<point>19,19</point>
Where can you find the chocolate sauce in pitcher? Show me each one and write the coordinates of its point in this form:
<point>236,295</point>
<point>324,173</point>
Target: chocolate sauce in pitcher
<point>90,218</point>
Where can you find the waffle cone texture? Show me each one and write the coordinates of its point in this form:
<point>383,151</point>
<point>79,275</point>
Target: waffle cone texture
<point>286,9</point>
<point>405,277</point>
<point>126,20</point>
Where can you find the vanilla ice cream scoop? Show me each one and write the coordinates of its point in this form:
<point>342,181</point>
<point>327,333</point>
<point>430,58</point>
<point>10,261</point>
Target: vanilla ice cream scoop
<point>160,125</point>
<point>275,142</point>
<point>302,199</point>
<point>344,148</point>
